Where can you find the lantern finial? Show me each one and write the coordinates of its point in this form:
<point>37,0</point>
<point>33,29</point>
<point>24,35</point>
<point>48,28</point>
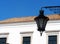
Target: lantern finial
<point>41,33</point>
<point>41,12</point>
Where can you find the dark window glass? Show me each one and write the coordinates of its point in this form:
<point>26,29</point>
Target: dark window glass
<point>2,40</point>
<point>52,39</point>
<point>26,40</point>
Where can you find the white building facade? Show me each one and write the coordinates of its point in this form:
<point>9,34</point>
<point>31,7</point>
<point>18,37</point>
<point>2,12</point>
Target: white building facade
<point>24,31</point>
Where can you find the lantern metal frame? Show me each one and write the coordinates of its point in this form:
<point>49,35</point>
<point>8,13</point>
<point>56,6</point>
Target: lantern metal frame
<point>41,21</point>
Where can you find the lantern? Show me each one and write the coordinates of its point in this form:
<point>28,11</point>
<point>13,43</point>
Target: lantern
<point>41,21</point>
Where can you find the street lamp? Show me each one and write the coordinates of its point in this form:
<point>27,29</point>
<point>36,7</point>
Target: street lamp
<point>41,21</point>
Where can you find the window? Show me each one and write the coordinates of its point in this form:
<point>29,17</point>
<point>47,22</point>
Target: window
<point>26,37</point>
<point>52,37</point>
<point>26,40</point>
<point>3,38</point>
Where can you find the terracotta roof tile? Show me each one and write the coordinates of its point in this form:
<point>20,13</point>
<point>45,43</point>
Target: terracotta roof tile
<point>28,19</point>
<point>54,17</point>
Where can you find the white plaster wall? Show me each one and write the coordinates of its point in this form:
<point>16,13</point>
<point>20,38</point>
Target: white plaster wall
<point>14,30</point>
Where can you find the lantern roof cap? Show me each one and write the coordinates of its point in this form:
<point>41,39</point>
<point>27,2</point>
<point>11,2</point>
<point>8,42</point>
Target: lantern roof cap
<point>28,19</point>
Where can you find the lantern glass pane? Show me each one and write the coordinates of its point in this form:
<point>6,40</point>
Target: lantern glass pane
<point>41,22</point>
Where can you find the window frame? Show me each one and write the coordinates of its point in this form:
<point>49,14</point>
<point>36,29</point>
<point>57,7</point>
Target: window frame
<point>51,33</point>
<point>26,34</point>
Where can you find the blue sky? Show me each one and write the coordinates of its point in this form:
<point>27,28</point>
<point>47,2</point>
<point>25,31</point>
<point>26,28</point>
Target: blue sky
<point>23,8</point>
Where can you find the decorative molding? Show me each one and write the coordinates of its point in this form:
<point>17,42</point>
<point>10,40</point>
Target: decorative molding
<point>26,32</point>
<point>49,31</point>
<point>4,35</point>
